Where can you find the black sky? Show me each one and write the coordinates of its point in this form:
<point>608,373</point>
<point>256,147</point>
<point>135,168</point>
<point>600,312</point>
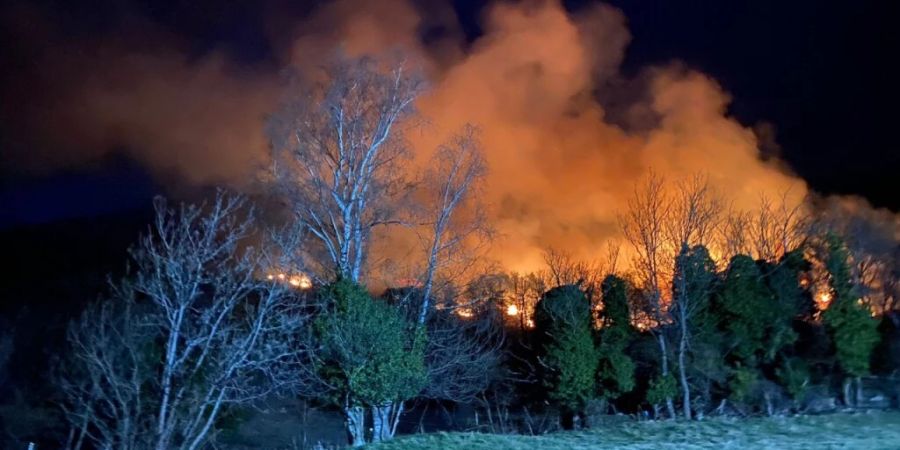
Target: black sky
<point>821,73</point>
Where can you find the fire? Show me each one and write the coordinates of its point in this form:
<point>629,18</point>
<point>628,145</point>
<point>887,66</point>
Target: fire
<point>823,299</point>
<point>465,313</point>
<point>512,310</point>
<point>299,281</point>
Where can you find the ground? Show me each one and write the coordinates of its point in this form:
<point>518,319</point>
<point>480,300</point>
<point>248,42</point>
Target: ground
<point>870,431</point>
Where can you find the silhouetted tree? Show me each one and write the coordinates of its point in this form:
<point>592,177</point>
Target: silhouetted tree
<point>848,320</point>
<point>616,370</point>
<point>692,287</point>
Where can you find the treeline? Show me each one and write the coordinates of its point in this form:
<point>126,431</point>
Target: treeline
<point>203,326</point>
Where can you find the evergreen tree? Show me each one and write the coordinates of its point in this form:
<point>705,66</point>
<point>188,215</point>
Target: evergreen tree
<point>568,354</point>
<point>744,302</point>
<point>848,321</point>
<point>616,372</point>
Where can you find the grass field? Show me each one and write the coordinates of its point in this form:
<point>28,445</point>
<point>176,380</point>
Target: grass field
<point>876,430</point>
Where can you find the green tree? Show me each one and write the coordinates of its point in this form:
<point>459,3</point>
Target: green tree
<point>372,356</point>
<point>745,303</point>
<point>616,368</point>
<point>848,321</point>
<point>793,374</point>
<point>568,354</point>
<point>661,388</point>
<point>692,286</point>
<point>756,305</point>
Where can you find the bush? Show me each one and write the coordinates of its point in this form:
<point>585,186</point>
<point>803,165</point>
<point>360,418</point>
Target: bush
<point>372,356</point>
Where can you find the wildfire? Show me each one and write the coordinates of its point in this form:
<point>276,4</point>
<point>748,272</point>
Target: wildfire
<point>512,310</point>
<point>465,313</point>
<point>298,281</point>
<point>823,299</point>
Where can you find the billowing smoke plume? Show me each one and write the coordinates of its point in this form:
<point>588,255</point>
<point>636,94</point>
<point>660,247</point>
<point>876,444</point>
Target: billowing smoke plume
<point>566,134</point>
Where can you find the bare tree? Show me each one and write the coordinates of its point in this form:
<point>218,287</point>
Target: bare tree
<point>462,355</point>
<point>873,239</point>
<point>454,181</point>
<point>696,212</point>
<point>193,328</point>
<point>336,146</point>
<point>106,378</point>
<point>776,228</point>
<point>734,236</point>
<point>644,225</point>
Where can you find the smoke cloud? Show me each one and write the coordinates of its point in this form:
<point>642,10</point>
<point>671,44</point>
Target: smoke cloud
<point>567,135</point>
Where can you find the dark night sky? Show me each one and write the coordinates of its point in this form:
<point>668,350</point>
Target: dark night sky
<point>820,72</point>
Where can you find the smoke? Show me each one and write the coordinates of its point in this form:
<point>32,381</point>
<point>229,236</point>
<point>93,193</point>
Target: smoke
<point>561,168</point>
<point>188,120</point>
<point>567,135</point>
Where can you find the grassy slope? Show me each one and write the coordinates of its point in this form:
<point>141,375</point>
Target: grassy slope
<point>844,431</point>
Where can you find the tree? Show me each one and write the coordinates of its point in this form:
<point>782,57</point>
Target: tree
<point>849,322</point>
<point>692,286</point>
<point>568,354</point>
<point>745,305</point>
<point>457,172</point>
<point>462,356</point>
<point>756,320</point>
<point>371,357</point>
<point>336,148</point>
<point>616,368</point>
<point>191,330</point>
<point>776,229</point>
<point>644,225</point>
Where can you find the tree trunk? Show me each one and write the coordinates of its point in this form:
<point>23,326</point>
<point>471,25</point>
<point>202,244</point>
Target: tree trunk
<point>384,420</point>
<point>682,373</point>
<point>664,369</point>
<point>355,420</point>
<point>859,392</point>
<point>770,408</point>
<point>847,401</point>
<point>395,417</point>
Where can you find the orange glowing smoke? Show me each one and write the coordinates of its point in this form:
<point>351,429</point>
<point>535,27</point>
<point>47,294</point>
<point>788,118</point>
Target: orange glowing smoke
<point>563,160</point>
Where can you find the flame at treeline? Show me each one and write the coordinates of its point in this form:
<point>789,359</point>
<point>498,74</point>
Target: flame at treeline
<point>567,135</point>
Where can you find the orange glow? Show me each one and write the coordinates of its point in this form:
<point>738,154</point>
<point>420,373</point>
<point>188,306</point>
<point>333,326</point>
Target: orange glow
<point>823,299</point>
<point>465,313</point>
<point>299,281</point>
<point>512,310</point>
